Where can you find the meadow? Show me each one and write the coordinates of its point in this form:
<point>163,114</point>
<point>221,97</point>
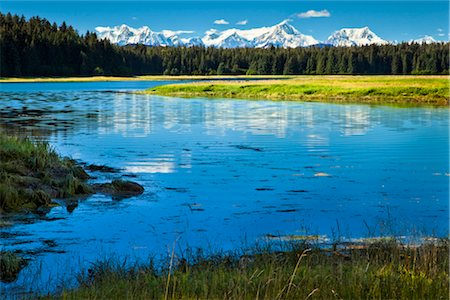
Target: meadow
<point>401,90</point>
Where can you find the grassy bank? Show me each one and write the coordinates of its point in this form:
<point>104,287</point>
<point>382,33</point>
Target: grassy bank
<point>32,174</point>
<point>403,90</point>
<point>10,265</point>
<point>134,78</point>
<point>382,270</point>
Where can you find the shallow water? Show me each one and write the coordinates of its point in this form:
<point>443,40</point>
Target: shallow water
<point>220,174</point>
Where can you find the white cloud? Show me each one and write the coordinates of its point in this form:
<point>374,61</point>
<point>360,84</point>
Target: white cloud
<point>441,34</point>
<point>221,22</point>
<point>440,29</point>
<point>243,22</point>
<point>134,18</point>
<point>314,14</point>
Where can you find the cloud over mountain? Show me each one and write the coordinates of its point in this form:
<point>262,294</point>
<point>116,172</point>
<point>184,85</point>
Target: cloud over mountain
<point>314,14</point>
<point>221,22</point>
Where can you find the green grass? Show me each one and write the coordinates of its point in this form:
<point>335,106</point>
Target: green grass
<point>381,270</point>
<point>31,174</point>
<point>404,90</point>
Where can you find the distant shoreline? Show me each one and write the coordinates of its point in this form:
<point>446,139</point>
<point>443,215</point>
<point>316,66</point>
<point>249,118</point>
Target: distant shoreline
<point>139,78</point>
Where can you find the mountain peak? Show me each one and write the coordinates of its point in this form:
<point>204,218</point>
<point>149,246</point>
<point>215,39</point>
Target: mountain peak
<point>354,37</point>
<point>427,39</point>
<point>286,27</point>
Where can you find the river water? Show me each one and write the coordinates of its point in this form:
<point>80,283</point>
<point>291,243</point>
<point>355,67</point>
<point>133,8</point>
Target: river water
<point>222,174</point>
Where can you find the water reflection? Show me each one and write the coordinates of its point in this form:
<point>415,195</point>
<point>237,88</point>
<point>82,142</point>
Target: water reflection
<point>132,115</point>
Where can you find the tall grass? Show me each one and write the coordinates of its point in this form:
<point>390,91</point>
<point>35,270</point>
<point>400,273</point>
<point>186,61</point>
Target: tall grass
<point>383,270</point>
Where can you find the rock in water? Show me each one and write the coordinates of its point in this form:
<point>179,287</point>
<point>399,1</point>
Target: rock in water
<point>120,188</point>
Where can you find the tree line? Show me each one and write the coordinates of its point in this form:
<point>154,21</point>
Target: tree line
<point>36,47</point>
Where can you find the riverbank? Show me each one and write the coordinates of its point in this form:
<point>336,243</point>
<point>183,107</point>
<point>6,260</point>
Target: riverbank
<point>398,90</point>
<point>383,269</point>
<point>137,78</point>
<point>32,174</point>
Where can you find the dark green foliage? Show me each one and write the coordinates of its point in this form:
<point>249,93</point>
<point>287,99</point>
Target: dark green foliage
<point>10,266</point>
<point>38,48</point>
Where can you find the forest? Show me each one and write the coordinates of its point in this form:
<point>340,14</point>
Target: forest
<point>36,47</point>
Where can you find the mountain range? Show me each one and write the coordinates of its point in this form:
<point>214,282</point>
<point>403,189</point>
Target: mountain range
<point>280,35</point>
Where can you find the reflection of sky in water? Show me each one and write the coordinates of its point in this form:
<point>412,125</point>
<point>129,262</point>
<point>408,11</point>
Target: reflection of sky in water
<point>222,173</point>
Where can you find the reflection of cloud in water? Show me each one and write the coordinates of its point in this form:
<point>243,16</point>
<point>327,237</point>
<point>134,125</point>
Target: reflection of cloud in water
<point>150,167</point>
<point>313,140</point>
<point>164,164</point>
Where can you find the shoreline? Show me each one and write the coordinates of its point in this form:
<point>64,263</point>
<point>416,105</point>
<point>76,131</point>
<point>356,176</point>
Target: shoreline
<point>138,78</point>
<point>33,175</point>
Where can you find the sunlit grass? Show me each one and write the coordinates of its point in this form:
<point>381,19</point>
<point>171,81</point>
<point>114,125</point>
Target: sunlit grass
<point>433,90</point>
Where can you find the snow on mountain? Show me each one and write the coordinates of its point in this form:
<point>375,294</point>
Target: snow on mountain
<point>193,41</point>
<point>279,35</point>
<point>124,35</point>
<point>354,37</point>
<point>424,40</point>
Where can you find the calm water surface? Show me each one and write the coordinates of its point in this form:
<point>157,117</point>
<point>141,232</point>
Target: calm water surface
<point>220,174</point>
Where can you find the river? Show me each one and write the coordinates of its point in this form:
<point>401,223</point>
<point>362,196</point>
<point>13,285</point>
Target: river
<point>222,174</point>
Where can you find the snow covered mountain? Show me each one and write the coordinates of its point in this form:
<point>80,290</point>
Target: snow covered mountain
<point>348,37</point>
<point>424,40</point>
<point>280,35</point>
<point>125,35</point>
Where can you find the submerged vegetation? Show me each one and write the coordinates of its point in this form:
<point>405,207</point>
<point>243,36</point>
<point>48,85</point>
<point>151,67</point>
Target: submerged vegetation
<point>412,90</point>
<point>32,174</point>
<point>382,270</point>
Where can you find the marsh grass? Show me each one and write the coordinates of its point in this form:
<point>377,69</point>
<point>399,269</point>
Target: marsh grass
<point>406,90</point>
<point>31,174</point>
<point>384,269</point>
<point>10,265</point>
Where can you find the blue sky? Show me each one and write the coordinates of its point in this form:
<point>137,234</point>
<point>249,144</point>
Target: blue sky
<point>391,20</point>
